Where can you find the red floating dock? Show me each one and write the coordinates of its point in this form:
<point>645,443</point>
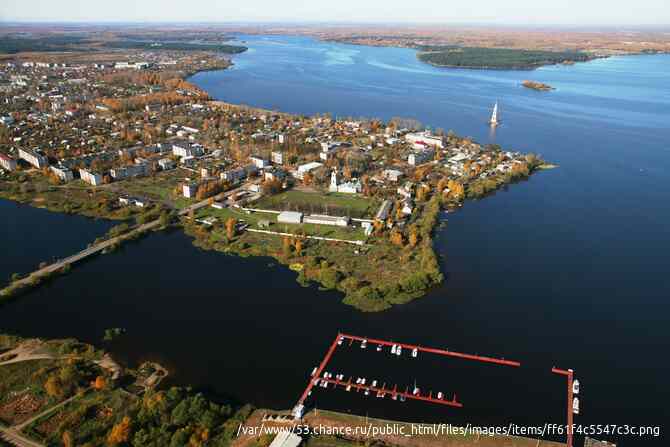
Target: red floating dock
<point>340,338</point>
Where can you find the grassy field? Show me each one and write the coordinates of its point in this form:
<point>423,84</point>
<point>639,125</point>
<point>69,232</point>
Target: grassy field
<point>158,187</point>
<point>320,203</point>
<point>253,219</point>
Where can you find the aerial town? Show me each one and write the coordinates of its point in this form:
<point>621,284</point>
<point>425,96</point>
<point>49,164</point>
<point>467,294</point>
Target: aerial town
<point>132,140</point>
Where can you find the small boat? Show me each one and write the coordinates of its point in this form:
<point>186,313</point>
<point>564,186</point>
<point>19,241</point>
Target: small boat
<point>575,405</point>
<point>398,351</point>
<point>314,371</point>
<point>367,392</point>
<point>348,387</point>
<point>402,398</point>
<point>310,393</point>
<point>325,374</point>
<point>339,342</point>
<point>363,381</point>
<point>394,396</point>
<point>415,352</point>
<point>494,122</point>
<point>364,344</point>
<point>575,387</point>
<point>379,348</point>
<point>440,395</point>
<point>374,383</point>
<point>358,381</point>
<point>416,391</point>
<point>393,349</point>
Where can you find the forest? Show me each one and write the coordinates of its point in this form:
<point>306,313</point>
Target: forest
<point>496,58</point>
<point>13,45</point>
<point>174,46</point>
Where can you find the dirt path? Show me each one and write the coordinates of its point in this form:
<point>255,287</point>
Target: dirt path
<point>17,439</point>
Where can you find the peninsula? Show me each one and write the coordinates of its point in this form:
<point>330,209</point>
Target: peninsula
<point>348,204</point>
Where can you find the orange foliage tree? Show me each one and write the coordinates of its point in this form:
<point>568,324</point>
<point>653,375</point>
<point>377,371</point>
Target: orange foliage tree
<point>120,432</point>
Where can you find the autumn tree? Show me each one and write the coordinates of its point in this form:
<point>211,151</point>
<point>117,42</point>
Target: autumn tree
<point>298,247</point>
<point>456,189</point>
<point>100,383</point>
<point>413,236</point>
<point>53,387</point>
<point>442,184</point>
<point>120,432</point>
<point>230,227</point>
<point>67,439</point>
<point>286,246</point>
<point>397,238</point>
<point>378,225</point>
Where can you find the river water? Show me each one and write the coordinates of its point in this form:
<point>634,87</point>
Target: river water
<point>566,269</point>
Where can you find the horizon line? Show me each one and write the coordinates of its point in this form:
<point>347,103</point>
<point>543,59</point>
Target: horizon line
<point>256,22</point>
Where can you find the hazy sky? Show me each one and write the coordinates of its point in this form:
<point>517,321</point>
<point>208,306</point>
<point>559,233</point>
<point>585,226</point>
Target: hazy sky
<point>577,12</point>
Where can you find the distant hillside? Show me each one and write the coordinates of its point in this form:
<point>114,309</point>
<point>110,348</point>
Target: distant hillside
<point>496,58</point>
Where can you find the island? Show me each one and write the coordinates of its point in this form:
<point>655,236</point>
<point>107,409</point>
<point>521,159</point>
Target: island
<point>496,58</point>
<point>539,86</point>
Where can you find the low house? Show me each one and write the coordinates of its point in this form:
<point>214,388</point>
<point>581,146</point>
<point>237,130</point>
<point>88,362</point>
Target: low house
<point>8,163</point>
<point>407,207</point>
<point>424,139</point>
<point>166,164</point>
<point>278,158</point>
<point>189,190</point>
<point>259,162</point>
<point>319,219</point>
<point>407,190</point>
<point>384,210</point>
<point>307,167</point>
<point>392,175</point>
<point>125,200</point>
<point>289,217</point>
<point>421,156</point>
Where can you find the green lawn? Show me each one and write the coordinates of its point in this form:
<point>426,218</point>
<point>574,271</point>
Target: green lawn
<point>319,203</point>
<point>158,187</point>
<point>253,219</point>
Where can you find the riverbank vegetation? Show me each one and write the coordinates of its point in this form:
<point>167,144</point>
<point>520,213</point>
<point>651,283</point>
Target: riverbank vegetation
<point>391,268</point>
<point>496,58</point>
